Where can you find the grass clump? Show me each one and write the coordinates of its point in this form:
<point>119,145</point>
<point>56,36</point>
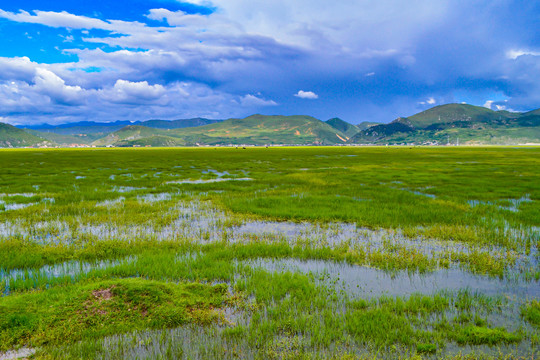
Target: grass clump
<point>480,335</point>
<point>531,312</point>
<point>72,313</point>
<point>426,348</point>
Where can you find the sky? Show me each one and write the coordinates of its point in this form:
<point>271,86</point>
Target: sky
<point>359,60</point>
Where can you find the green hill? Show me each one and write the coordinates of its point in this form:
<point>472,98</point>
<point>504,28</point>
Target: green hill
<point>471,124</point>
<point>127,134</point>
<point>533,112</point>
<point>348,129</point>
<point>153,140</point>
<point>366,125</point>
<point>10,136</point>
<point>451,113</point>
<point>98,129</point>
<point>62,139</point>
<point>262,129</point>
<point>177,124</point>
<point>253,130</point>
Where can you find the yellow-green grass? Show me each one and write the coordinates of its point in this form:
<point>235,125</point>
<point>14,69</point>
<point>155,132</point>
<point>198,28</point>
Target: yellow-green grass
<point>169,222</point>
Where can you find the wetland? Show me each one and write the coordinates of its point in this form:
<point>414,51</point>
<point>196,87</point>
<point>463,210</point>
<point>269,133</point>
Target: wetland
<point>270,253</point>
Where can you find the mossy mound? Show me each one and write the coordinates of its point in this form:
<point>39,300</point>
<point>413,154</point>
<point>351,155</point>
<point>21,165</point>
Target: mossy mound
<point>71,313</point>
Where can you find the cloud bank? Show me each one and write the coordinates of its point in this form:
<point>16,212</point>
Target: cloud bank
<point>360,60</point>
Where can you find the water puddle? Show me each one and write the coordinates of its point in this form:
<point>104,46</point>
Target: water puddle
<point>8,207</point>
<point>111,203</point>
<point>18,194</point>
<point>512,204</point>
<point>431,196</point>
<point>419,193</point>
<point>154,197</point>
<point>46,275</point>
<point>219,174</point>
<point>125,189</point>
<point>17,354</point>
<point>207,181</point>
<point>366,282</point>
<point>196,221</point>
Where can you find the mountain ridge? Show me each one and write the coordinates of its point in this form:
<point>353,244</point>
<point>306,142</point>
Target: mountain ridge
<point>474,124</point>
<point>107,127</point>
<point>463,123</point>
<point>256,129</point>
<point>11,136</point>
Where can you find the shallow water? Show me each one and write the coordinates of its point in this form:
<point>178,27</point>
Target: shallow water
<point>8,207</point>
<point>367,282</point>
<point>154,197</point>
<point>124,189</point>
<point>111,203</point>
<point>200,223</point>
<point>431,196</point>
<point>19,194</point>
<point>207,181</point>
<point>71,269</point>
<point>17,354</point>
<point>514,203</point>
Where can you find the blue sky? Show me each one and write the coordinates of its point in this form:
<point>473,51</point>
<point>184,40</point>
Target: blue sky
<point>361,60</point>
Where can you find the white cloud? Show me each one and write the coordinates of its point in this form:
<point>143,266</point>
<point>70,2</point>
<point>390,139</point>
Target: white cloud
<point>45,101</point>
<point>252,100</point>
<point>372,53</point>
<point>68,38</point>
<point>306,95</point>
<point>127,92</point>
<point>514,54</point>
<point>208,65</point>
<point>430,101</point>
<point>488,104</point>
<point>49,84</point>
<point>55,19</point>
<point>18,68</point>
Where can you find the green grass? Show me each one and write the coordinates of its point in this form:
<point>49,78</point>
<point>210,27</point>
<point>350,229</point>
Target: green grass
<point>531,312</point>
<point>127,222</point>
<point>97,309</point>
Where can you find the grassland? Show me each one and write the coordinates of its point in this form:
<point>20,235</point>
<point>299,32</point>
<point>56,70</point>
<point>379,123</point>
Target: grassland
<point>285,253</point>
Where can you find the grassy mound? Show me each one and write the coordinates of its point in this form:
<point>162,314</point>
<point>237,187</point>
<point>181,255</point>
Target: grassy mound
<point>68,314</point>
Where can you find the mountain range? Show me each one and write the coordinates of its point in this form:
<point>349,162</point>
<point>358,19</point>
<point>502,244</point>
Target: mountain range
<point>456,123</point>
<point>440,125</point>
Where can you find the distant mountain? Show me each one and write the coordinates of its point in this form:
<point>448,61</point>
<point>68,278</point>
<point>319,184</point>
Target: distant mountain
<point>177,124</point>
<point>348,129</point>
<point>366,124</point>
<point>450,113</point>
<point>128,134</point>
<point>262,129</point>
<point>451,123</point>
<point>63,140</point>
<point>10,136</point>
<point>533,112</point>
<point>471,124</point>
<point>91,127</point>
<point>82,127</point>
<point>253,130</point>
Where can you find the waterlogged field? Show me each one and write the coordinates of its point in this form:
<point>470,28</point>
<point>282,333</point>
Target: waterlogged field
<point>270,253</point>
